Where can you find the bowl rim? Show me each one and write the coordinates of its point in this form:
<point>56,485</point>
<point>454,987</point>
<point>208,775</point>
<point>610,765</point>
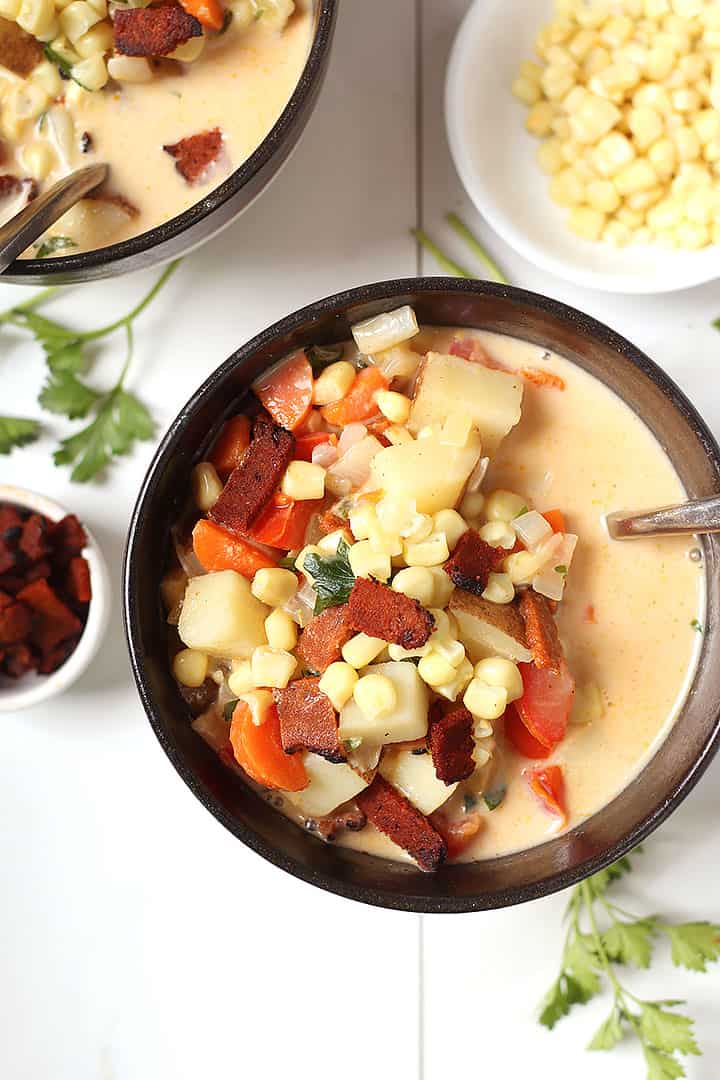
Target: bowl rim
<point>697,272</point>
<point>340,303</point>
<point>13,698</point>
<point>46,269</point>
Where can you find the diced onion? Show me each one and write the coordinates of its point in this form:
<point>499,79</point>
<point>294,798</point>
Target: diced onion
<point>351,434</point>
<point>325,454</point>
<point>302,605</point>
<point>478,475</point>
<point>532,528</point>
<point>397,363</point>
<point>549,583</point>
<point>352,468</point>
<point>365,758</point>
<point>186,556</point>
<point>386,330</point>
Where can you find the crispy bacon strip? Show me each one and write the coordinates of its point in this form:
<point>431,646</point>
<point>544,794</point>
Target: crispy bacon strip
<point>153,31</point>
<point>541,631</point>
<point>251,485</point>
<point>451,744</point>
<point>393,815</point>
<point>19,51</point>
<point>308,720</point>
<point>379,611</point>
<point>195,154</point>
<point>473,561</point>
<point>322,639</point>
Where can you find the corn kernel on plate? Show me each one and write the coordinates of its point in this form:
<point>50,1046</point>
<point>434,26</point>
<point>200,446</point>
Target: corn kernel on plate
<point>585,132</point>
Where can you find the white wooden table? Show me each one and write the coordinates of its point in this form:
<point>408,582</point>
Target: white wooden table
<point>140,940</point>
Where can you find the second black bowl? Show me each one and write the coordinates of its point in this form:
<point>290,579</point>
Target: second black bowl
<point>636,811</point>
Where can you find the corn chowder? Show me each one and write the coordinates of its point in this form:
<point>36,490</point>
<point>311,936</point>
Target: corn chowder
<point>173,97</point>
<point>396,610</point>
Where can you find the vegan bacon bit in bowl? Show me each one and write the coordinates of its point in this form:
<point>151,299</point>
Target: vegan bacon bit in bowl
<point>377,609</point>
<point>53,598</point>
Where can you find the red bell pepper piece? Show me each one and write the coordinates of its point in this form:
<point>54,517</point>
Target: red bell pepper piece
<point>545,705</point>
<point>305,444</point>
<point>548,783</point>
<point>284,522</point>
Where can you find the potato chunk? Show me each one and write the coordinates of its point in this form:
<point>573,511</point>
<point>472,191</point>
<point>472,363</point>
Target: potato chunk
<point>221,616</point>
<point>330,786</point>
<point>431,472</point>
<point>492,398</point>
<point>489,629</point>
<point>414,775</point>
<point>407,720</point>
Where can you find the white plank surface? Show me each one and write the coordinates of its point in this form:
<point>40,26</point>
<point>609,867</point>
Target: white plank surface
<point>485,974</point>
<point>138,938</point>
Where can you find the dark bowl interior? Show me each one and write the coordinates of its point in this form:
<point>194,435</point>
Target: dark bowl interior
<point>218,208</point>
<point>497,882</point>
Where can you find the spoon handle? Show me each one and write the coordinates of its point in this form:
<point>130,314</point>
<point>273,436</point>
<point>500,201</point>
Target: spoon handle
<point>32,221</point>
<point>697,516</point>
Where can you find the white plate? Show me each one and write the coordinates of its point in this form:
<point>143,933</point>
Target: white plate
<point>495,158</point>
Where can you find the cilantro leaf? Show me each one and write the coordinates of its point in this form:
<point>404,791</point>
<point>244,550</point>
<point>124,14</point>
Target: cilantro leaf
<point>581,962</point>
<point>229,709</point>
<point>667,1031</point>
<point>120,420</point>
<point>694,944</point>
<point>53,244</point>
<point>610,1032</point>
<point>599,882</point>
<point>630,943</point>
<point>64,393</point>
<point>332,577</point>
<point>562,995</point>
<point>662,1066</point>
<point>493,798</point>
<point>16,431</point>
<point>67,357</point>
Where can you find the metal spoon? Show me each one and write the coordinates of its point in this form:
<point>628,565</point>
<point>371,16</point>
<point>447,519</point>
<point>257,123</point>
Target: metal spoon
<point>697,516</point>
<point>32,221</point>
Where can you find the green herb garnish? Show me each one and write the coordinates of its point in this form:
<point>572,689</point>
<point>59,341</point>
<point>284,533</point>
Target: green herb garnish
<point>561,569</point>
<point>469,802</point>
<point>601,935</point>
<point>523,510</point>
<point>332,577</point>
<point>697,625</point>
<point>119,418</point>
<point>287,562</point>
<point>321,356</point>
<point>229,708</point>
<point>227,19</point>
<point>493,798</point>
<point>16,431</point>
<point>468,237</point>
<point>352,744</point>
<point>53,244</point>
<point>62,63</point>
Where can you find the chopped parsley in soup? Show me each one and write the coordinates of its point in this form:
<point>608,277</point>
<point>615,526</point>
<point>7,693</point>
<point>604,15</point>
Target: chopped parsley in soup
<point>400,617</point>
<point>174,97</point>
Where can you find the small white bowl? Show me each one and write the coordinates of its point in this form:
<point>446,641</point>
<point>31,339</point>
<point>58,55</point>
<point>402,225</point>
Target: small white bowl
<point>495,158</point>
<point>32,688</point>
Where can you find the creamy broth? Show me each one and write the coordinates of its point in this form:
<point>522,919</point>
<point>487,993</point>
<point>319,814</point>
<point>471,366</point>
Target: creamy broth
<point>239,84</point>
<point>584,450</point>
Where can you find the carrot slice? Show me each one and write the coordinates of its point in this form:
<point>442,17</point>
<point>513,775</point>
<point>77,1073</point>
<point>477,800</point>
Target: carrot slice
<point>233,442</point>
<point>217,549</point>
<point>287,391</point>
<point>258,750</point>
<point>284,522</point>
<point>457,834</point>
<point>208,12</point>
<point>548,784</point>
<point>556,520</point>
<point>544,379</point>
<point>359,402</point>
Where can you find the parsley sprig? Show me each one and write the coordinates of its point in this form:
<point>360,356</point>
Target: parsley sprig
<point>332,577</point>
<point>602,935</point>
<point>118,417</point>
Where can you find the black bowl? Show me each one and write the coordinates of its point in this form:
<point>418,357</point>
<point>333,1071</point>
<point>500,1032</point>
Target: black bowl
<point>510,879</point>
<point>217,209</point>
